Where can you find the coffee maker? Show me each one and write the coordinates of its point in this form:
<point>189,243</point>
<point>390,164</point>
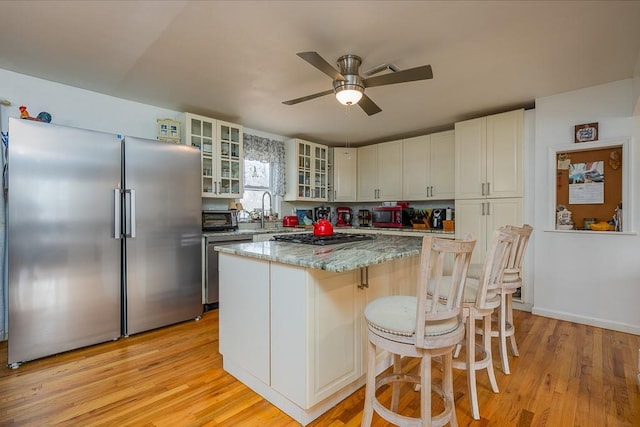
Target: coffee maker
<point>344,217</point>
<point>437,216</point>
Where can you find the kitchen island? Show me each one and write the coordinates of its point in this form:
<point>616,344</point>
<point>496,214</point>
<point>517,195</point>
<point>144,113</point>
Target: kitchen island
<point>291,315</point>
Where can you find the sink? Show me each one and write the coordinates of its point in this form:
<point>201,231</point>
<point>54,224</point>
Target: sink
<point>255,225</point>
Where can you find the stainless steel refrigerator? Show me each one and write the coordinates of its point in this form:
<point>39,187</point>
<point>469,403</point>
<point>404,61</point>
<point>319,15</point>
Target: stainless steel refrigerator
<point>104,237</point>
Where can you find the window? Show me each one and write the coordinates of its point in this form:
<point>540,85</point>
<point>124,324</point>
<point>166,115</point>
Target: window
<point>263,171</point>
<point>257,180</point>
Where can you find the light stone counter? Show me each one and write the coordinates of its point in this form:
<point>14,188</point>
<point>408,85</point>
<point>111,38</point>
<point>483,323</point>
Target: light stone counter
<point>334,258</point>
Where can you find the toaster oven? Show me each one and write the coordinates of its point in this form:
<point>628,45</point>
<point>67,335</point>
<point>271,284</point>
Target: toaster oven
<point>219,220</point>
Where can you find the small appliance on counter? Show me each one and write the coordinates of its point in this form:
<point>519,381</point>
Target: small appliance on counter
<point>290,221</point>
<point>392,216</point>
<point>364,218</point>
<point>219,220</point>
<point>437,216</point>
<point>323,228</point>
<point>344,217</point>
<point>322,212</point>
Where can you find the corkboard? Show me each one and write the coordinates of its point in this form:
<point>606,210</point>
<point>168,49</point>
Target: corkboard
<point>612,184</point>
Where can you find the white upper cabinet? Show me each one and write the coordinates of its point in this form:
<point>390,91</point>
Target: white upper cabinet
<point>221,154</point>
<point>307,171</point>
<point>367,172</point>
<point>489,156</point>
<point>428,167</point>
<point>390,171</point>
<point>230,160</point>
<point>482,217</point>
<point>380,172</point>
<point>345,162</point>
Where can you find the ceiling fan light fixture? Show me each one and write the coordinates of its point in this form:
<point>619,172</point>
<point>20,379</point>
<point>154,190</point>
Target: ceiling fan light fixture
<point>348,96</point>
<point>349,91</point>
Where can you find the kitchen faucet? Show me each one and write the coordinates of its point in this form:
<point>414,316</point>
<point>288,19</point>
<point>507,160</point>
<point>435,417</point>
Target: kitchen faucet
<point>266,193</point>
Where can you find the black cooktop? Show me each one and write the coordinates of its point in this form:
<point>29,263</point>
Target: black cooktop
<point>310,239</point>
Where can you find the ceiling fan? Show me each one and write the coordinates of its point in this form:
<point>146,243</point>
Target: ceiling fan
<point>349,86</point>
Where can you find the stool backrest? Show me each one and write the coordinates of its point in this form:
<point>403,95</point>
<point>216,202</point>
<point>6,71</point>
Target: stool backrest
<point>513,271</point>
<point>495,264</point>
<point>432,272</point>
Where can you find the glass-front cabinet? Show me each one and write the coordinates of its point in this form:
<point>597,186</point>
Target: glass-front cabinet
<point>307,170</point>
<point>220,145</point>
<point>229,138</point>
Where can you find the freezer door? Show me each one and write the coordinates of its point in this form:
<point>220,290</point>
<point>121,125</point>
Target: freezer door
<point>64,264</point>
<point>163,224</point>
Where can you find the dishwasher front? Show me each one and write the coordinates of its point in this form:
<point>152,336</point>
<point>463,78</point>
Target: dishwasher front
<point>211,284</point>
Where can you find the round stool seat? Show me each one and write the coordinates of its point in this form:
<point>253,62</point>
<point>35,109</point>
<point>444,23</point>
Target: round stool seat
<point>394,318</point>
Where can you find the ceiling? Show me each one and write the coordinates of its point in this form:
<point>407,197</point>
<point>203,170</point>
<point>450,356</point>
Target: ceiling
<point>237,60</point>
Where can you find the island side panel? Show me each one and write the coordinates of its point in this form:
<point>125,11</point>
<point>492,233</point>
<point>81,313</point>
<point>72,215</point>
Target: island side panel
<point>399,277</point>
<point>244,314</point>
<point>315,333</point>
<point>335,326</point>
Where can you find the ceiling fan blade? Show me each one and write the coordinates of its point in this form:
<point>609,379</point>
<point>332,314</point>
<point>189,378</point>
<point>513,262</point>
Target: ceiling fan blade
<point>410,75</point>
<point>368,105</point>
<point>308,97</point>
<point>319,62</point>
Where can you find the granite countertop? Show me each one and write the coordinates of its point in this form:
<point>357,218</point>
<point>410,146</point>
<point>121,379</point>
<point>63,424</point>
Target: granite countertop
<point>335,258</point>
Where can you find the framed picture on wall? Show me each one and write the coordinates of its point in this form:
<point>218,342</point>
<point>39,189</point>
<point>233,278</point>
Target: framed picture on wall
<point>586,132</point>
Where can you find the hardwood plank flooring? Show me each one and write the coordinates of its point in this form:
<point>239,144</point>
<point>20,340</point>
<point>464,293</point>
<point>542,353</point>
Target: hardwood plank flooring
<point>567,375</point>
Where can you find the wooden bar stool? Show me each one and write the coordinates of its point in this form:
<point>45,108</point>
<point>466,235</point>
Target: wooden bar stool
<point>512,280</point>
<point>481,297</point>
<point>421,327</point>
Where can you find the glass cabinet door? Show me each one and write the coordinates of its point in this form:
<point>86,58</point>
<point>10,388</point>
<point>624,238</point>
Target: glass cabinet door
<point>230,160</point>
<point>304,170</point>
<point>220,146</point>
<point>200,134</point>
<point>312,171</point>
<point>320,172</point>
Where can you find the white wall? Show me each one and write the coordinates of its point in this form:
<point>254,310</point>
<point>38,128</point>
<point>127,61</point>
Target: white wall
<point>75,107</point>
<point>588,278</point>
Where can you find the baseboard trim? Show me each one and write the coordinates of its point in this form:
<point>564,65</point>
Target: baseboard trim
<point>517,305</point>
<point>591,321</point>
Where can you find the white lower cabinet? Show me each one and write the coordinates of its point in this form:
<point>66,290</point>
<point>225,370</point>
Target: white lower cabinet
<point>244,314</point>
<point>482,216</point>
<point>319,347</point>
<point>300,331</point>
<point>315,338</point>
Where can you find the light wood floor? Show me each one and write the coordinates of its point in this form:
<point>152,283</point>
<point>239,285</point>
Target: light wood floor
<point>567,375</point>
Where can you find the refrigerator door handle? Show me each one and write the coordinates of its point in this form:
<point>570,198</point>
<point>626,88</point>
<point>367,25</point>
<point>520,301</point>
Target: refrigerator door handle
<point>117,226</point>
<point>132,213</point>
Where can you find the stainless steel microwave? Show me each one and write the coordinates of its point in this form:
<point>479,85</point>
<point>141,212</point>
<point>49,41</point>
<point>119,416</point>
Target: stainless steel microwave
<point>219,220</point>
